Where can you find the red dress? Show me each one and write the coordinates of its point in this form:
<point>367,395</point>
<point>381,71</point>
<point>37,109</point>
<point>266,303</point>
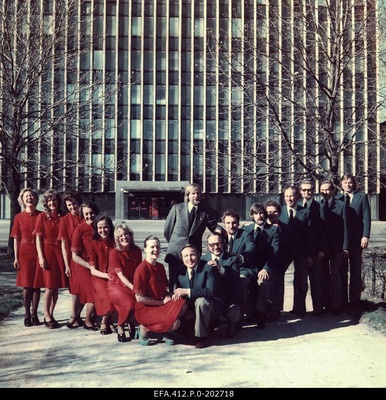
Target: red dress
<point>99,251</point>
<point>67,225</point>
<point>151,281</point>
<point>122,297</point>
<point>23,226</point>
<point>53,276</point>
<point>80,244</point>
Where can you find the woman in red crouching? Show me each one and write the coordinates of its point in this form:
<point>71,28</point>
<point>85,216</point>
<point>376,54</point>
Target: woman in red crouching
<point>155,310</point>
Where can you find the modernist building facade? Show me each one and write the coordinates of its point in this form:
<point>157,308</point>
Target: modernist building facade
<point>177,117</point>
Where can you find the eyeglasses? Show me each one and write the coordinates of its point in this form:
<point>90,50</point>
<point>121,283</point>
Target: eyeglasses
<point>306,190</point>
<point>213,245</point>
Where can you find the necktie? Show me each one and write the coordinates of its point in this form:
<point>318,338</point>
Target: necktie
<point>291,215</point>
<point>191,279</point>
<point>230,244</point>
<point>305,204</point>
<point>220,269</point>
<point>257,232</point>
<point>323,209</point>
<point>347,199</point>
<point>192,216</point>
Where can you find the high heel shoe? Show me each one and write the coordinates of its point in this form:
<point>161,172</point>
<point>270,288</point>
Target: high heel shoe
<point>106,330</point>
<point>55,322</point>
<point>90,328</point>
<point>27,321</point>
<point>122,337</point>
<point>71,323</point>
<point>35,321</point>
<point>49,324</point>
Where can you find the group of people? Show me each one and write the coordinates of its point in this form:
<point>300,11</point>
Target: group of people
<point>240,278</point>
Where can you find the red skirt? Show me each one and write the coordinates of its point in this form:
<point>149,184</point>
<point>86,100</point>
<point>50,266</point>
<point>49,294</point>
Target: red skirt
<point>158,318</point>
<point>102,301</point>
<point>53,276</point>
<point>85,289</point>
<point>123,299</point>
<point>28,261</point>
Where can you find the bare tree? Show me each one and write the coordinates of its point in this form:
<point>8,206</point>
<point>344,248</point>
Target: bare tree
<point>50,100</point>
<point>300,80</point>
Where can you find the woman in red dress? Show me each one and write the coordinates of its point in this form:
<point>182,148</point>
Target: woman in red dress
<point>123,261</point>
<point>155,310</point>
<point>80,255</point>
<point>100,247</point>
<point>71,201</point>
<point>26,256</point>
<point>51,274</point>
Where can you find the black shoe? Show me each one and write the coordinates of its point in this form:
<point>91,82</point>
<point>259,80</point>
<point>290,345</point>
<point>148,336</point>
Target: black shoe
<point>299,314</point>
<point>273,316</point>
<point>71,323</point>
<point>122,337</point>
<point>91,328</point>
<point>27,321</point>
<point>106,331</point>
<point>239,326</point>
<point>49,324</point>
<point>201,342</point>
<point>335,312</point>
<point>35,321</point>
<point>317,313</point>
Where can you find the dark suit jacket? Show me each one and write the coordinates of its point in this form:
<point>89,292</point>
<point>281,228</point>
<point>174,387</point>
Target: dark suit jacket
<point>316,231</point>
<point>295,237</point>
<point>244,244</point>
<point>359,217</point>
<point>230,289</point>
<point>177,232</point>
<point>335,222</point>
<point>267,244</point>
<point>206,283</point>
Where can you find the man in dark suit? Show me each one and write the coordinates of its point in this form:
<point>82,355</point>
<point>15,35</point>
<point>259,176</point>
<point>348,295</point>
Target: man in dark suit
<point>199,283</point>
<point>336,248</point>
<point>295,226</point>
<point>241,243</point>
<point>307,189</point>
<point>267,242</point>
<point>276,292</point>
<point>186,223</point>
<point>228,266</point>
<point>359,220</point>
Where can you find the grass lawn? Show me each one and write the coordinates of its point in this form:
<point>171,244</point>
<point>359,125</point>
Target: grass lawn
<point>11,297</point>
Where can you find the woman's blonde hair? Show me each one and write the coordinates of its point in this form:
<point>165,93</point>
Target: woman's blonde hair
<point>21,194</point>
<point>125,228</point>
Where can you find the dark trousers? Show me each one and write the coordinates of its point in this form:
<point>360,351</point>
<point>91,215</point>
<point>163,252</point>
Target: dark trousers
<point>351,291</point>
